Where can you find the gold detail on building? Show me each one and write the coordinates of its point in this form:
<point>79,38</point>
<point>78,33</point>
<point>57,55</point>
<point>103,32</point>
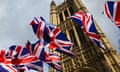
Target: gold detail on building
<point>90,58</point>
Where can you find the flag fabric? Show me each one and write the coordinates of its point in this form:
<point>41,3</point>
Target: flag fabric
<point>23,59</point>
<point>23,68</point>
<point>51,36</point>
<point>36,65</point>
<point>3,57</point>
<point>58,40</point>
<point>35,49</point>
<point>6,63</point>
<point>38,26</point>
<point>30,62</point>
<point>53,60</point>
<point>2,69</point>
<point>8,68</point>
<point>51,57</point>
<point>86,22</point>
<point>56,65</point>
<point>112,11</point>
<point>17,51</point>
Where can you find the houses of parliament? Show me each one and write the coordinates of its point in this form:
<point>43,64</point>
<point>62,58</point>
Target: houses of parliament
<point>90,58</point>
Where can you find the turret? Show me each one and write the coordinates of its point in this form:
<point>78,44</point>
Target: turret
<point>53,13</point>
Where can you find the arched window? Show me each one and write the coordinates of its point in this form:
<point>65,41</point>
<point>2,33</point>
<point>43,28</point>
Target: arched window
<point>61,17</point>
<point>71,10</point>
<point>66,13</point>
<point>73,38</point>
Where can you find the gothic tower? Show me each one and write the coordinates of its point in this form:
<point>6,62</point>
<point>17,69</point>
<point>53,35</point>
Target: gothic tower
<point>90,58</point>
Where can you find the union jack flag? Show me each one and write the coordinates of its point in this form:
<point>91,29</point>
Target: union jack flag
<point>6,63</point>
<point>36,65</point>
<point>112,11</point>
<point>51,36</point>
<point>23,59</point>
<point>17,51</point>
<point>23,68</point>
<point>8,68</point>
<point>51,57</point>
<point>56,65</point>
<point>53,60</point>
<point>36,49</point>
<point>58,41</point>
<point>38,26</point>
<point>86,22</point>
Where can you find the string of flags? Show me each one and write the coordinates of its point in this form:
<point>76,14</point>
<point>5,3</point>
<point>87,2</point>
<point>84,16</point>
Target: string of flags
<point>51,36</point>
<point>32,55</point>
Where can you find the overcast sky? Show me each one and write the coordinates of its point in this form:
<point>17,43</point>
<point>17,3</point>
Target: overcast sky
<point>15,16</point>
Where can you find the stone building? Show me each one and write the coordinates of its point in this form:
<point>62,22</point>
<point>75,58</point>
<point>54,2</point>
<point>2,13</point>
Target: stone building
<point>90,58</point>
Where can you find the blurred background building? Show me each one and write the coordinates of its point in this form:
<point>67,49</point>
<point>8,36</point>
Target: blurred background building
<point>90,58</point>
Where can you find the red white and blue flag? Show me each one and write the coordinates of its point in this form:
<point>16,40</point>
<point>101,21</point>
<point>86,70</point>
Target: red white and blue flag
<point>36,65</point>
<point>52,57</point>
<point>56,65</point>
<point>112,11</point>
<point>17,51</point>
<point>6,63</point>
<point>36,49</point>
<point>8,68</point>
<point>51,36</point>
<point>38,26</point>
<point>23,68</point>
<point>86,22</point>
<point>53,60</point>
<point>23,59</point>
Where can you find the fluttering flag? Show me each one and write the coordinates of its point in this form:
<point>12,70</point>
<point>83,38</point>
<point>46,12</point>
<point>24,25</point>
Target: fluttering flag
<point>17,51</point>
<point>32,55</point>
<point>36,65</point>
<point>23,60</point>
<point>86,22</point>
<point>36,49</point>
<point>23,68</point>
<point>8,68</point>
<point>56,65</point>
<point>51,36</point>
<point>6,63</point>
<point>52,57</point>
<point>112,11</point>
<point>53,60</point>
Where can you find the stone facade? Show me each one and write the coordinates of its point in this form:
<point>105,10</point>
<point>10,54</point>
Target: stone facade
<point>90,58</point>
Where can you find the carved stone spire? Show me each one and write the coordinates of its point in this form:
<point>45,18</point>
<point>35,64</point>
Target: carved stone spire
<point>53,3</point>
<point>53,13</point>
